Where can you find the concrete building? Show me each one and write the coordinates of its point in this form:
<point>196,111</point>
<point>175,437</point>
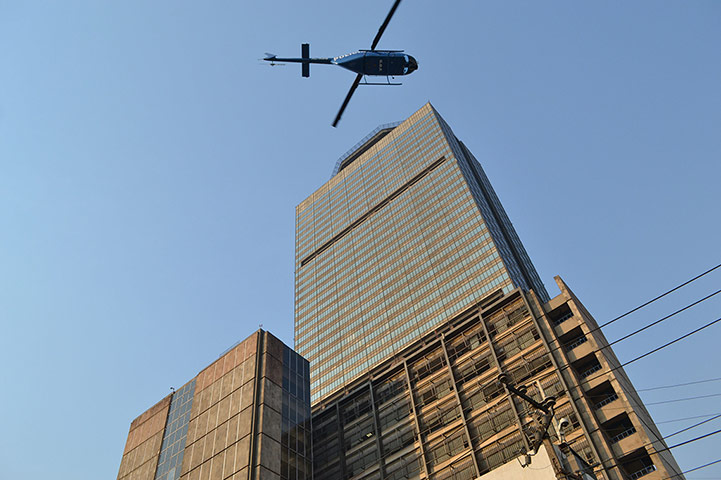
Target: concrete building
<point>437,410</point>
<point>244,417</point>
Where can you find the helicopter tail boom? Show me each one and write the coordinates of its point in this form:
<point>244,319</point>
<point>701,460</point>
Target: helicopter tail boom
<point>304,59</point>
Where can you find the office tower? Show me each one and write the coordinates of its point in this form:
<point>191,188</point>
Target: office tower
<point>244,417</point>
<point>407,233</point>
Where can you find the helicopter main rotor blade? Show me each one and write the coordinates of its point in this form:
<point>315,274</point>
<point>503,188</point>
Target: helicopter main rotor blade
<point>384,25</point>
<point>347,97</point>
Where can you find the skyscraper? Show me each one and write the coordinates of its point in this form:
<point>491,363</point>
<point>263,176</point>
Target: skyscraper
<point>406,234</point>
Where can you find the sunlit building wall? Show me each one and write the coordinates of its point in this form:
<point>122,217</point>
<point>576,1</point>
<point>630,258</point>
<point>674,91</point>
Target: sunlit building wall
<point>407,233</point>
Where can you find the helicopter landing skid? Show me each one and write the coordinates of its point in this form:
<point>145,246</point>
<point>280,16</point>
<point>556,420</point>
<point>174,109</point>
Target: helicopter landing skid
<point>388,82</point>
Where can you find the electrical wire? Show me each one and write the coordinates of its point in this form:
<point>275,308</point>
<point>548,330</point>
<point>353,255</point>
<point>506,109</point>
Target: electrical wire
<point>692,426</point>
<point>684,399</point>
<point>648,428</point>
<point>661,387</point>
<point>687,418</point>
<point>688,441</point>
<point>662,402</point>
<point>701,437</point>
<point>660,296</point>
<point>657,298</point>
<point>652,351</point>
<point>679,384</point>
<point>565,345</point>
<point>662,319</point>
<point>693,469</point>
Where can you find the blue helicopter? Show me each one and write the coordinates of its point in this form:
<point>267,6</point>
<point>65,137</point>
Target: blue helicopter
<point>372,62</point>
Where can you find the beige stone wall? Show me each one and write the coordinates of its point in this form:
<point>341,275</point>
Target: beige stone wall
<point>142,448</point>
<point>218,441</point>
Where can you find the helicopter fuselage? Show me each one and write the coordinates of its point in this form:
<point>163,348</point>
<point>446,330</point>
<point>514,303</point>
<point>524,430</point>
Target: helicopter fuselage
<point>377,62</point>
<point>364,62</point>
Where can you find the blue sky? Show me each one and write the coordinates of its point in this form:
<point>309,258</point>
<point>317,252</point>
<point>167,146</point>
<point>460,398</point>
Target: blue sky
<point>150,166</point>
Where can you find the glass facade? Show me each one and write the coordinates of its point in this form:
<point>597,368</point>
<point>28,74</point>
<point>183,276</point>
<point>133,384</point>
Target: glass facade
<point>296,431</point>
<point>176,431</point>
<point>403,237</point>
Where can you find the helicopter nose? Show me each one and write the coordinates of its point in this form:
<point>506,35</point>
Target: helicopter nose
<point>412,64</point>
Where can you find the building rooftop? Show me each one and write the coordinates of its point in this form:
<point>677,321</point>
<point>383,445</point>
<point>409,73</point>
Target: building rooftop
<point>363,145</point>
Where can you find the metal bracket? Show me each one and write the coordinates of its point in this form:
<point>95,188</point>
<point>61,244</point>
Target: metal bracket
<point>542,418</point>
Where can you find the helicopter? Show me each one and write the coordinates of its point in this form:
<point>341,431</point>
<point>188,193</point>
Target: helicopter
<point>372,62</point>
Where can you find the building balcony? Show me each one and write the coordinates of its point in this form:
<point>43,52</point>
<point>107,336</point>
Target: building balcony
<point>605,401</point>
<point>589,371</point>
<point>629,443</point>
<point>564,324</point>
<point>649,469</point>
<point>637,464</point>
<point>578,349</point>
<point>560,315</point>
<point>608,411</point>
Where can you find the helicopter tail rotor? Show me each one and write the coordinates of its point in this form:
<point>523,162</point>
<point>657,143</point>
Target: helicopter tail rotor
<point>271,57</point>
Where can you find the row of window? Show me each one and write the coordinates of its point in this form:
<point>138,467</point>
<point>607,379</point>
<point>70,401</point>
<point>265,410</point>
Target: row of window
<point>351,175</point>
<point>390,299</point>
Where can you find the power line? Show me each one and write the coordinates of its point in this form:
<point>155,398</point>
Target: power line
<point>651,352</point>
<point>661,402</point>
<point>661,439</point>
<point>662,387</point>
<point>694,469</point>
<point>684,399</point>
<point>560,345</point>
<point>653,300</point>
<point>671,342</point>
<point>661,296</point>
<point>662,319</point>
<point>689,441</point>
<point>640,417</point>
<point>678,384</point>
<point>687,418</point>
<point>648,428</point>
<point>692,426</point>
